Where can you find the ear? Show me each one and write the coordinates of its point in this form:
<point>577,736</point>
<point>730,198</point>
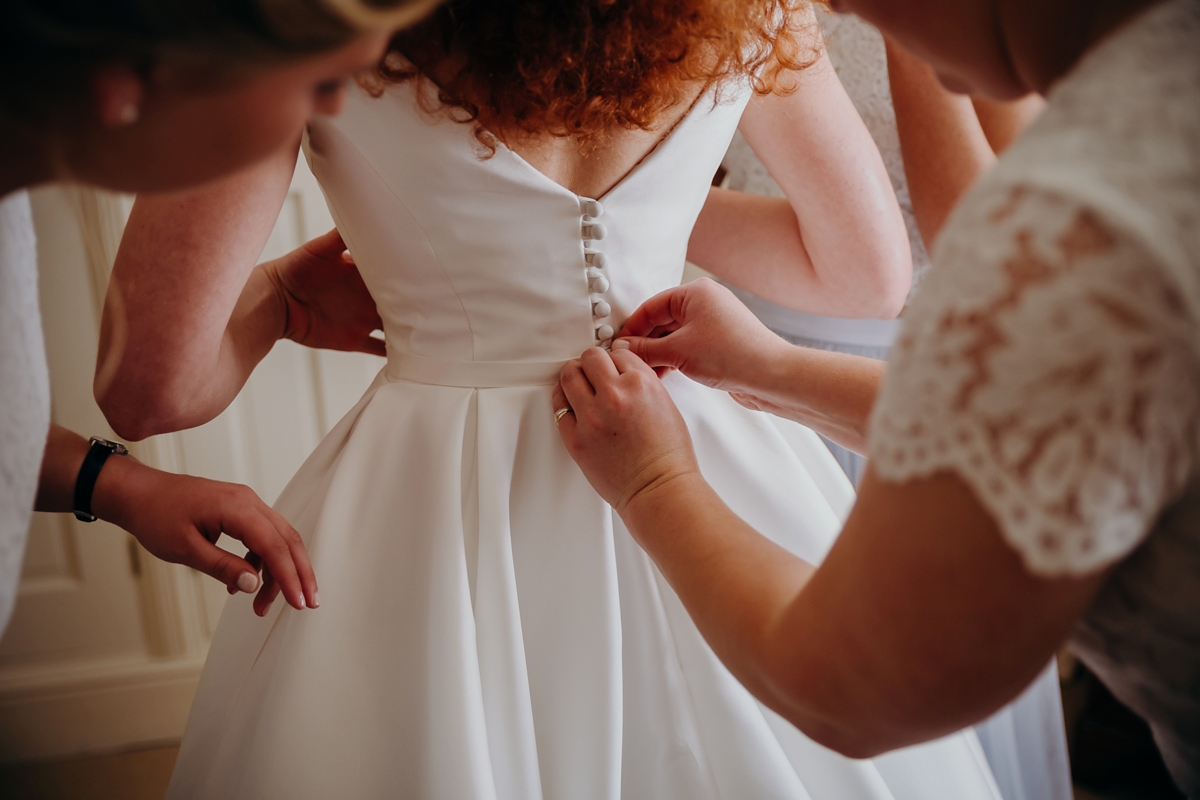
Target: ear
<point>118,92</point>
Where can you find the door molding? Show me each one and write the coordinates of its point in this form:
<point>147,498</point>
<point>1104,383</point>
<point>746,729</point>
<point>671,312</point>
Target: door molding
<point>70,708</point>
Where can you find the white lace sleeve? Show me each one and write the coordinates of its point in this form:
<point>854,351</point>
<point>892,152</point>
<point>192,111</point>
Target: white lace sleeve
<point>1051,366</point>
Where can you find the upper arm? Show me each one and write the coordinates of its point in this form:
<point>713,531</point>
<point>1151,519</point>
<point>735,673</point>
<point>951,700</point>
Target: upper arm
<point>183,261</point>
<point>815,145</point>
<point>813,141</point>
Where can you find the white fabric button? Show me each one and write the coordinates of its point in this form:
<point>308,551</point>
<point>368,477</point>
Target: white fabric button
<point>604,332</point>
<point>596,259</point>
<point>592,208</point>
<point>601,309</point>
<point>598,284</point>
<point>594,230</point>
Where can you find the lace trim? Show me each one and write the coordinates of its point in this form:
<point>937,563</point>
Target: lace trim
<point>1049,364</point>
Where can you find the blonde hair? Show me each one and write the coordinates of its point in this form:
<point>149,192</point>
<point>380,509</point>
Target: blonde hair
<point>311,20</point>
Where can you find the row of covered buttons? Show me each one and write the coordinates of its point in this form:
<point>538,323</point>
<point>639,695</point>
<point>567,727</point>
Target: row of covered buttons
<point>593,231</point>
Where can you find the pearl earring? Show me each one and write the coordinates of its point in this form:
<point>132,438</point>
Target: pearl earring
<point>128,114</point>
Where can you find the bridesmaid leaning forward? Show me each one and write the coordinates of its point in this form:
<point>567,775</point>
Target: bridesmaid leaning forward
<point>1034,471</point>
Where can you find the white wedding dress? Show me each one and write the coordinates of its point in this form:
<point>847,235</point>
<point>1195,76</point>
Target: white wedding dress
<point>488,627</point>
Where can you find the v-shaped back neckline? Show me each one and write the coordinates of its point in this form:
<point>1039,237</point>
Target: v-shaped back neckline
<point>524,163</point>
<point>659,145</point>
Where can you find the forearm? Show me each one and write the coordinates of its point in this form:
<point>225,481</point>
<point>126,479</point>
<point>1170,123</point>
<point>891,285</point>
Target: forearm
<point>859,654</point>
<point>64,456</point>
<point>832,393</point>
<point>65,451</point>
<point>736,584</point>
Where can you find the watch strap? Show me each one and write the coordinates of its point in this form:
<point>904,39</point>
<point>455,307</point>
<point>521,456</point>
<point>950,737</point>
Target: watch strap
<point>85,483</point>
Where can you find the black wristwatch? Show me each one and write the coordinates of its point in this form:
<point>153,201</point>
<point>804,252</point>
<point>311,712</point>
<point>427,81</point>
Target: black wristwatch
<point>90,471</point>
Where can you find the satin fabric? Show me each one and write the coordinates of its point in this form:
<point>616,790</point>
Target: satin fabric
<point>488,627</point>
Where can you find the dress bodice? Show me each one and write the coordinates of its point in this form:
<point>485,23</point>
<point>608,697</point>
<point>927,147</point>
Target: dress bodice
<point>478,258</point>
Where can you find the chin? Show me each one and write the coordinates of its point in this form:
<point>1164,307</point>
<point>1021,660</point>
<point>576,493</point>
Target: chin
<point>990,83</point>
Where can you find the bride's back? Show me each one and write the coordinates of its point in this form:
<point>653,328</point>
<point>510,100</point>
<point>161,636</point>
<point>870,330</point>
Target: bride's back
<point>583,90</point>
<point>566,196</point>
<point>474,258</point>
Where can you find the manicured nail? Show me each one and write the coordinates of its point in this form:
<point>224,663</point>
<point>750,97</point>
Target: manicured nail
<point>620,344</point>
<point>302,603</point>
<point>316,600</point>
<point>248,582</point>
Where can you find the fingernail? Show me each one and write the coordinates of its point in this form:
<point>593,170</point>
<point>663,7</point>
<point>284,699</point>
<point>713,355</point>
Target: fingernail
<point>620,344</point>
<point>316,600</point>
<point>247,582</point>
<point>302,603</point>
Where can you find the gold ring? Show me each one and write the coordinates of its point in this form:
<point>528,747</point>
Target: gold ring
<point>562,412</point>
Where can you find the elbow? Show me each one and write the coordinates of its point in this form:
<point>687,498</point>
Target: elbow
<point>849,738</point>
<point>885,272</point>
<point>891,303</point>
<point>890,284</point>
<point>850,744</point>
<point>130,428</point>
<point>135,415</point>
<point>805,695</point>
<point>125,420</point>
<point>870,283</point>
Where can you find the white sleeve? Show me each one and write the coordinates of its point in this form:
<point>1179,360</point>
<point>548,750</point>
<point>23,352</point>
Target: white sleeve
<point>1052,366</point>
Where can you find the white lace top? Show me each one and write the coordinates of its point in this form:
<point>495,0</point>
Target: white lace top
<point>1052,358</point>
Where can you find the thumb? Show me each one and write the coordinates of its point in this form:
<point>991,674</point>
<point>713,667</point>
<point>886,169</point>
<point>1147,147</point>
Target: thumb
<point>327,244</point>
<point>656,352</point>
<point>236,573</point>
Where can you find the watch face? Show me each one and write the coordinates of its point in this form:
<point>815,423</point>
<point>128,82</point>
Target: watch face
<point>115,447</point>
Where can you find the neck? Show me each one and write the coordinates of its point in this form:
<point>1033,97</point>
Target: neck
<point>27,158</point>
<point>1047,40</point>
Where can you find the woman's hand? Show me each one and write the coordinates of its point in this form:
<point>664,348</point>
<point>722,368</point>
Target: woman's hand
<point>179,518</point>
<point>705,332</point>
<point>625,431</point>
<point>326,304</point>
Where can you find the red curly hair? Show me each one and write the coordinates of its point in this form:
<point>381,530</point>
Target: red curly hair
<point>581,68</point>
